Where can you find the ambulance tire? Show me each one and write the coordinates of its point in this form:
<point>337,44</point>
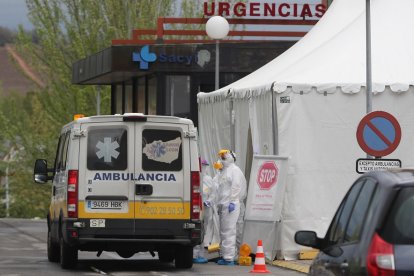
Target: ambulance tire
<point>184,257</point>
<point>68,255</point>
<point>166,256</point>
<point>53,250</point>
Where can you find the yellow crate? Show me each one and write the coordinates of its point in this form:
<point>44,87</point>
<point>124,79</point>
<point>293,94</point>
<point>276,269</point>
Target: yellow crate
<point>245,260</point>
<point>308,254</point>
<point>213,248</point>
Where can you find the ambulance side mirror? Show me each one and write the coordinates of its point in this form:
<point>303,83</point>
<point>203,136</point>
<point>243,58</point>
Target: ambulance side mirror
<point>40,171</point>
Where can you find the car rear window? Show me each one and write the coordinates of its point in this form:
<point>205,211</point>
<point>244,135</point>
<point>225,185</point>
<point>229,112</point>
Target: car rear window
<point>161,150</point>
<point>107,149</point>
<point>399,225</point>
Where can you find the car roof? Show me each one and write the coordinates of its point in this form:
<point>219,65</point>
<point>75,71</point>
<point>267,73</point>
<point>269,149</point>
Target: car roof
<point>119,118</point>
<point>394,177</point>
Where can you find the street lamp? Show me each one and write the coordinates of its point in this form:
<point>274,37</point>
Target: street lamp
<point>217,28</point>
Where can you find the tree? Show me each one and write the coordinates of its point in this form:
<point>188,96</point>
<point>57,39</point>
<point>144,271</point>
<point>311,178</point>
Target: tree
<point>69,30</point>
<point>6,36</point>
<point>65,31</point>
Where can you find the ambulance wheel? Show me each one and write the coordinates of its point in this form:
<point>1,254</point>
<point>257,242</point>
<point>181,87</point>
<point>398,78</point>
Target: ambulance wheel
<point>166,256</point>
<point>184,257</point>
<point>53,252</point>
<point>68,255</point>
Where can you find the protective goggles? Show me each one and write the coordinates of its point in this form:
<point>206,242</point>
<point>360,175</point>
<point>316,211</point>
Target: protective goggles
<point>222,154</point>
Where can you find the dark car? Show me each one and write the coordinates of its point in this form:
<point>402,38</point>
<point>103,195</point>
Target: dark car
<point>372,232</point>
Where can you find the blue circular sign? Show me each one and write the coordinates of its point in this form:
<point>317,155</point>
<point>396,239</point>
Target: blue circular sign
<point>378,133</point>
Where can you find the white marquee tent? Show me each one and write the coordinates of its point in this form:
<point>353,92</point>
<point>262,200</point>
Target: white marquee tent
<point>306,104</point>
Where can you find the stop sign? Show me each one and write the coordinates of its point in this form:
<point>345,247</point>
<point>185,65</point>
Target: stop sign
<point>267,175</point>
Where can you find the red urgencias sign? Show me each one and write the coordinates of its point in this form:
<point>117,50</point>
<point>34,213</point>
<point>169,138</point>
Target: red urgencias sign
<point>269,9</point>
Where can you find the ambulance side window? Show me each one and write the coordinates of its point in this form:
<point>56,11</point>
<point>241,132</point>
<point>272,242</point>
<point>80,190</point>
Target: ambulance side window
<point>59,149</point>
<point>65,151</point>
<point>107,149</point>
<point>161,150</point>
<point>60,163</point>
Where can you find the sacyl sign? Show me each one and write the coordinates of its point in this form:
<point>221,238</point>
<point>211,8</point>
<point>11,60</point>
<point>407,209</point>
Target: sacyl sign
<point>187,60</point>
<point>144,57</point>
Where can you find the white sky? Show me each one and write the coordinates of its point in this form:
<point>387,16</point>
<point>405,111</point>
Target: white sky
<point>14,13</point>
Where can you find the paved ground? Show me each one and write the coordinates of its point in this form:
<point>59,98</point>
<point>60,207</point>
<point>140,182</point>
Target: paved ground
<point>23,252</point>
<point>297,265</point>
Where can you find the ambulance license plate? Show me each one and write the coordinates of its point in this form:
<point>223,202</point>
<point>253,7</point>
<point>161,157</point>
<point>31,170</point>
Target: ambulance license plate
<point>97,223</point>
<point>106,204</point>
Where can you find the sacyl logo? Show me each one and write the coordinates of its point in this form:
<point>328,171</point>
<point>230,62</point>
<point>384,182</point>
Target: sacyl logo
<point>201,58</point>
<point>144,57</point>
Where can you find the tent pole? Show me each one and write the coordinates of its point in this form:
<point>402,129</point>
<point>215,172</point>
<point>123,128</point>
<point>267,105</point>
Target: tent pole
<point>368,58</point>
<point>368,45</point>
<point>274,125</point>
<point>217,74</point>
<point>232,126</point>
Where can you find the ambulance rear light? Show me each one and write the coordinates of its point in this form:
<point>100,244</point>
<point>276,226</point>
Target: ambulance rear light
<point>195,195</point>
<point>72,195</point>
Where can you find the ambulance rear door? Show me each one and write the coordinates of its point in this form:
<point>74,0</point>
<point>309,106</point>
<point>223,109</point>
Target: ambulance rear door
<point>106,194</point>
<point>162,178</point>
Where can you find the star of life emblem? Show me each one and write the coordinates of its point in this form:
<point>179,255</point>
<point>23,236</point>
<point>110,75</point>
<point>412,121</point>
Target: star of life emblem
<point>107,149</point>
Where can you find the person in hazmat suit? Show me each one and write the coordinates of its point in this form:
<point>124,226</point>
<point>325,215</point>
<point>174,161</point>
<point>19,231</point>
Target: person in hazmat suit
<point>211,234</point>
<point>230,198</point>
<point>210,214</point>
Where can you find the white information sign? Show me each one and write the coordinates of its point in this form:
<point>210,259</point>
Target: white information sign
<point>369,165</point>
<point>267,186</point>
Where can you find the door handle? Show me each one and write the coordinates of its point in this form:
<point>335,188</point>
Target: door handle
<point>143,189</point>
<point>328,265</point>
<point>344,265</point>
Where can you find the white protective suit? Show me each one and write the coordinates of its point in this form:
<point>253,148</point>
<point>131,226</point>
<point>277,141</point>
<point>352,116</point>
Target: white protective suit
<point>210,214</point>
<point>231,189</point>
<point>198,250</point>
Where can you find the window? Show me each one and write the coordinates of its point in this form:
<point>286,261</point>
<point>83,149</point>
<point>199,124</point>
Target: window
<point>128,98</point>
<point>341,218</point>
<point>161,150</point>
<point>118,99</point>
<point>65,150</point>
<point>177,96</point>
<point>399,225</point>
<point>356,221</point>
<point>152,95</point>
<point>61,154</point>
<point>141,95</point>
<point>107,149</point>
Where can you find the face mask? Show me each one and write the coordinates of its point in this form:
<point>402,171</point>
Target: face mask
<point>228,159</point>
<point>226,163</point>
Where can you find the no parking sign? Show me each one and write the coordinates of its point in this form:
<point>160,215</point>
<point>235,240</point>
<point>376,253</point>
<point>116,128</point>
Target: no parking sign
<point>267,186</point>
<point>378,134</point>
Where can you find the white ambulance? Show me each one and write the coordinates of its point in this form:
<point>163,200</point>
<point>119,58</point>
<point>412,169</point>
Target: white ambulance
<point>125,183</point>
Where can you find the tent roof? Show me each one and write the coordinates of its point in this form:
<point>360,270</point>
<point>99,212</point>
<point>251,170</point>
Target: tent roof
<point>333,53</point>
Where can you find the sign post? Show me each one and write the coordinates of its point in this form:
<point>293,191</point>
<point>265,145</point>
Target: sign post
<point>378,134</point>
<point>264,204</point>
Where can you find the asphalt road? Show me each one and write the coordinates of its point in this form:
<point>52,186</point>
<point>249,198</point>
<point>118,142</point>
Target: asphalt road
<point>23,252</point>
